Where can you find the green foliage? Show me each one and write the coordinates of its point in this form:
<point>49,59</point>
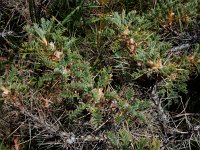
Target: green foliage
<point>121,140</point>
<point>96,118</point>
<point>2,147</point>
<point>180,13</point>
<point>124,140</point>
<point>76,77</point>
<point>129,93</point>
<point>52,50</point>
<point>142,144</point>
<point>151,55</point>
<point>106,76</point>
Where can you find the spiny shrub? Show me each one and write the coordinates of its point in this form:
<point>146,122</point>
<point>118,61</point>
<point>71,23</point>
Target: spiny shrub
<point>58,69</point>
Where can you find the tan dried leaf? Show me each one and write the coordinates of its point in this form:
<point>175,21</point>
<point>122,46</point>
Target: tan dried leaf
<point>126,32</point>
<point>59,55</point>
<point>103,2</point>
<point>52,46</point>
<point>44,41</point>
<point>98,93</point>
<point>155,65</point>
<point>170,18</point>
<point>5,91</point>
